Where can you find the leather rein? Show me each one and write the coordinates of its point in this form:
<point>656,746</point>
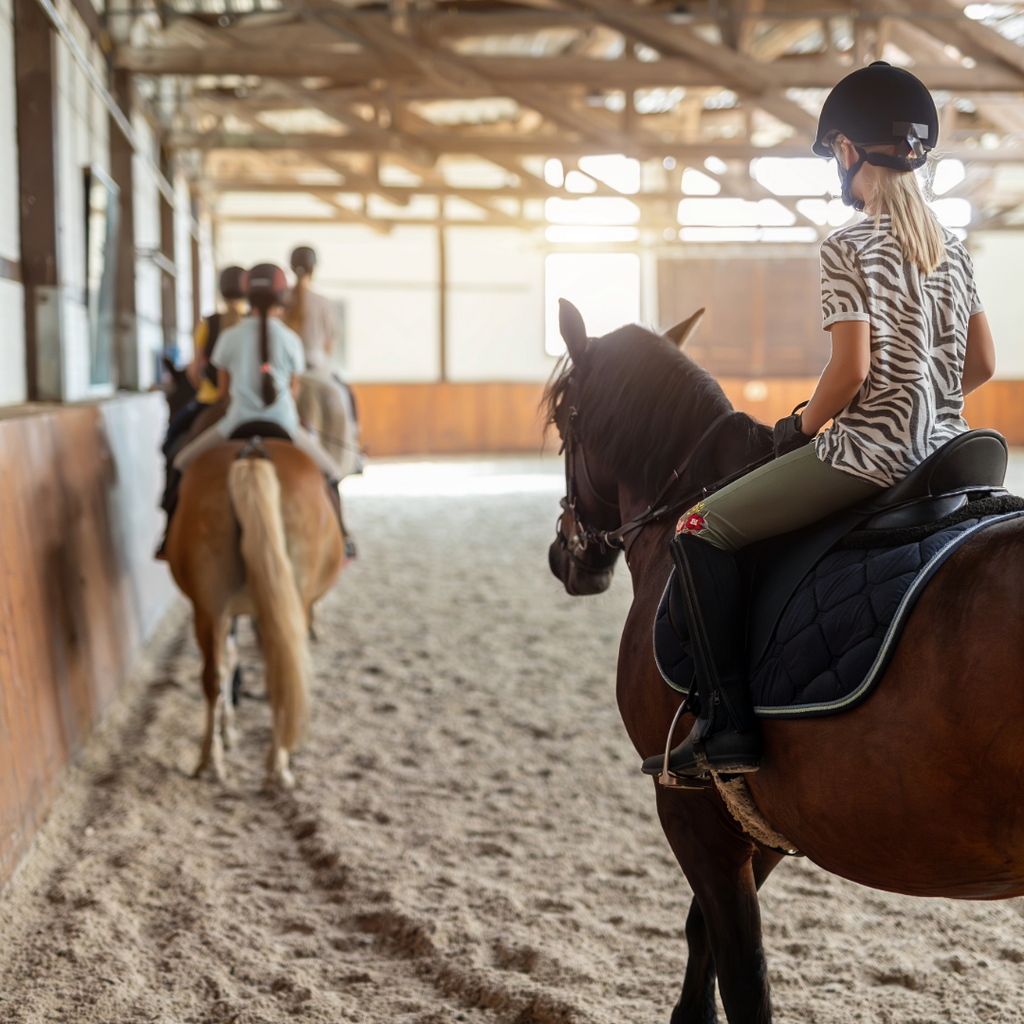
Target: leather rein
<point>618,539</point>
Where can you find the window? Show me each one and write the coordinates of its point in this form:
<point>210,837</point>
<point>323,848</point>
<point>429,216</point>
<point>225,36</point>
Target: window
<point>604,287</point>
<point>102,225</point>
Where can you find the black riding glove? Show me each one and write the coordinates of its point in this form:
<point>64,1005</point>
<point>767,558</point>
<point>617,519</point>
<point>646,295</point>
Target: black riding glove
<point>788,436</point>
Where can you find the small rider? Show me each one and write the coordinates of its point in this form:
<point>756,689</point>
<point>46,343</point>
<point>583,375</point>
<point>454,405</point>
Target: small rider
<point>311,316</point>
<point>204,407</point>
<point>257,363</point>
<point>909,340</point>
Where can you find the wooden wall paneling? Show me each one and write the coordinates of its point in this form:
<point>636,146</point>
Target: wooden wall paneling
<point>71,602</point>
<point>425,419</point>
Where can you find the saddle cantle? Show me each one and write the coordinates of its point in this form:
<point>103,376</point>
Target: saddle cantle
<point>266,429</point>
<point>822,622</point>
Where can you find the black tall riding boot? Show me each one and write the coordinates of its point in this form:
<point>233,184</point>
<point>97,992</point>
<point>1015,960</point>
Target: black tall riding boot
<point>726,736</point>
<point>169,502</point>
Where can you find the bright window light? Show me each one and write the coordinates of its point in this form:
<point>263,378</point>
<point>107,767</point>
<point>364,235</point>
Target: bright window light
<point>797,234</point>
<point>604,287</point>
<point>710,234</point>
<point>594,210</point>
<point>588,234</point>
<point>833,212</point>
<point>954,213</point>
<point>814,209</point>
<point>577,182</point>
<point>734,213</point>
<point>718,235</point>
<point>621,173</point>
<point>553,173</point>
<point>796,176</point>
<point>697,183</point>
<point>948,174</point>
<point>715,165</point>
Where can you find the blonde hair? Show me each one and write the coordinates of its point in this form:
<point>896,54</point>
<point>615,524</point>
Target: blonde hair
<point>912,223</point>
<point>295,315</point>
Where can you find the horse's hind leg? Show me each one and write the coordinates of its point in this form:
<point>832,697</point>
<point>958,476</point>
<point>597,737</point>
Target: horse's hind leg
<point>211,635</point>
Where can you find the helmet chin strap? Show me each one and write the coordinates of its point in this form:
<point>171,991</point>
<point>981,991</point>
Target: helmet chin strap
<point>896,163</point>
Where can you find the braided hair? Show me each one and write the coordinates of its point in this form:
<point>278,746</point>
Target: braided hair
<point>267,285</point>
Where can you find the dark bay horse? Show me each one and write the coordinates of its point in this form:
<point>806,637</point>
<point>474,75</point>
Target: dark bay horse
<point>255,536</point>
<point>919,790</point>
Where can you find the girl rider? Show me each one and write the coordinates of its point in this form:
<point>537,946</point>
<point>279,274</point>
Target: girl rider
<point>257,363</point>
<point>909,340</point>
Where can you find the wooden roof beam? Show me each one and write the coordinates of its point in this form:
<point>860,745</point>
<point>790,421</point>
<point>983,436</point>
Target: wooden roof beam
<point>355,70</point>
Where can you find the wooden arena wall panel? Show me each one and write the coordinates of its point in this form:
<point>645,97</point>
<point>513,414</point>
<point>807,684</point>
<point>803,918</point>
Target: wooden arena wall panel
<point>435,419</point>
<point>438,419</point>
<point>78,590</point>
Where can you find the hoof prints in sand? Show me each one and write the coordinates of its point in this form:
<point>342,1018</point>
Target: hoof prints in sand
<point>440,859</point>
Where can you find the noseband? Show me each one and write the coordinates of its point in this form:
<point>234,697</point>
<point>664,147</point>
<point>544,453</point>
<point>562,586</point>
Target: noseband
<point>585,536</point>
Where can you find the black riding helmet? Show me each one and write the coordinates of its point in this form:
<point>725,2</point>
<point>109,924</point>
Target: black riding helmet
<point>232,283</point>
<point>879,106</point>
<point>266,285</point>
<point>303,260</point>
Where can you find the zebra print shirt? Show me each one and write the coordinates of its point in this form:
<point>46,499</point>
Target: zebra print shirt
<point>911,402</point>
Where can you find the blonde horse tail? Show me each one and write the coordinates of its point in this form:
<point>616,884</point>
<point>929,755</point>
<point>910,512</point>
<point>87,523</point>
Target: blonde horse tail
<point>256,495</point>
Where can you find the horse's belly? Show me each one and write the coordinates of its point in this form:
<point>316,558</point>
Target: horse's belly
<point>920,790</point>
<point>241,603</point>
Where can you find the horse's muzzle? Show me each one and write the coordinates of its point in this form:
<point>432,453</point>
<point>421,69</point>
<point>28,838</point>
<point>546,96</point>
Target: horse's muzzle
<point>578,579</point>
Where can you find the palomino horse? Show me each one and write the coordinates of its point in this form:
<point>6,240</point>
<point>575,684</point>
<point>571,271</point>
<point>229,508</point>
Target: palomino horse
<point>918,790</point>
<point>255,535</point>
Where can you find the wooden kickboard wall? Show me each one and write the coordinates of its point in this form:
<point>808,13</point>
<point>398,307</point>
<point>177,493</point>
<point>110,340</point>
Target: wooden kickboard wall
<point>437,419</point>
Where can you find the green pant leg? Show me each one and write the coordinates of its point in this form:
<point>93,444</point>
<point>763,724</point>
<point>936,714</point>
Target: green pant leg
<point>783,495</point>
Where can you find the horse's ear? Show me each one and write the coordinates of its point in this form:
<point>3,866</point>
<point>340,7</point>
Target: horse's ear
<point>680,334</point>
<point>574,333</point>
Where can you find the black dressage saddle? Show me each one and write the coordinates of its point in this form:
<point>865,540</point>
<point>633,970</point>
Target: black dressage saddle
<point>259,428</point>
<point>968,469</point>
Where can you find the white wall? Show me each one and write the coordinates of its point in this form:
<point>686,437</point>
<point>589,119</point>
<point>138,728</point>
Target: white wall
<point>387,282</point>
<point>998,258</point>
<point>13,385</point>
<point>183,262</point>
<point>496,305</point>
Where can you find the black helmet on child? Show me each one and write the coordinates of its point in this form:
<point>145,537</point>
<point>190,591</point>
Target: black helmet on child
<point>266,282</point>
<point>232,283</point>
<point>879,106</point>
<point>303,260</point>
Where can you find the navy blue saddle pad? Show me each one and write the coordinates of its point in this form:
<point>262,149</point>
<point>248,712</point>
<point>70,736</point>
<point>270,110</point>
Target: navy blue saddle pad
<point>838,630</point>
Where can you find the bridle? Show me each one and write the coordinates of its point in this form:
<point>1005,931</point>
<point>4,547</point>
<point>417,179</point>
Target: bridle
<point>624,536</point>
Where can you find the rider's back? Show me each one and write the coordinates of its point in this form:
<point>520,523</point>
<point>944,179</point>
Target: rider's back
<point>911,402</point>
<point>238,352</point>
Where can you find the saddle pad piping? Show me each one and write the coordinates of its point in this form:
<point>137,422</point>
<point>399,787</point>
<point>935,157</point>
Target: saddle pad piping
<point>892,634</point>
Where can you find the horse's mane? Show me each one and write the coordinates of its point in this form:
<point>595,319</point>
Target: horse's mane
<point>641,404</point>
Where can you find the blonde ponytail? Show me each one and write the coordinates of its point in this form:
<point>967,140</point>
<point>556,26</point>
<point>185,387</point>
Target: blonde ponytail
<point>898,194</point>
<point>295,315</point>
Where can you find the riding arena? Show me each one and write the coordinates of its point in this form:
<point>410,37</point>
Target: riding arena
<point>513,513</point>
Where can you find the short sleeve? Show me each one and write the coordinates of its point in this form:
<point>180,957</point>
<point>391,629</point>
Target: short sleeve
<point>199,336</point>
<point>976,306</point>
<point>843,294</point>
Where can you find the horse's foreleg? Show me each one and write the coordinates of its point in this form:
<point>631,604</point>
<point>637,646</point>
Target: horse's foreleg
<point>227,676</point>
<point>210,636</point>
<point>727,893</point>
<point>697,1002</point>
